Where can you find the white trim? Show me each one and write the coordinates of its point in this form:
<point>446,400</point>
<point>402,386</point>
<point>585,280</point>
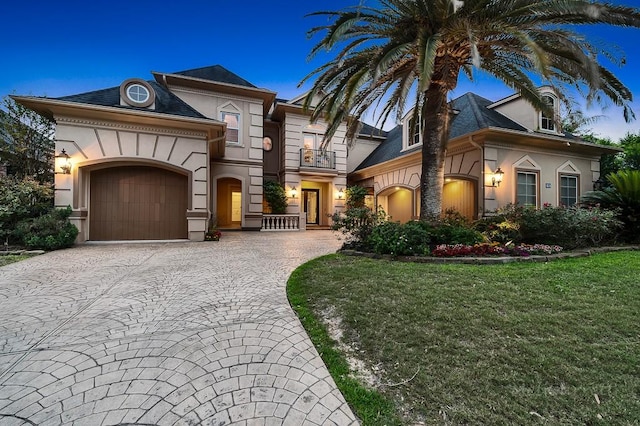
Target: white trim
<point>231,108</point>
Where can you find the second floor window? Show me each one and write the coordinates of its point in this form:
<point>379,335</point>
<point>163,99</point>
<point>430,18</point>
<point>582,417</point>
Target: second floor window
<point>233,126</point>
<point>414,133</point>
<point>546,121</point>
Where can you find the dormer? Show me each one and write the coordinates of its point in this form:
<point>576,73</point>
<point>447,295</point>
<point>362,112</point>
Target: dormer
<point>137,93</point>
<point>411,133</point>
<point>522,112</point>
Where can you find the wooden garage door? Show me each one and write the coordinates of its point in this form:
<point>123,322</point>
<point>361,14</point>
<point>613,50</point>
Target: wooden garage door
<point>137,203</point>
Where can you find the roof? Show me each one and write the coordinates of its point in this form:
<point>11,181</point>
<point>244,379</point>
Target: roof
<point>165,103</point>
<point>216,73</point>
<point>472,115</point>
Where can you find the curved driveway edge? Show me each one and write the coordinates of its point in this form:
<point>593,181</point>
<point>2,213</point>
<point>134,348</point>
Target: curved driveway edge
<point>163,333</point>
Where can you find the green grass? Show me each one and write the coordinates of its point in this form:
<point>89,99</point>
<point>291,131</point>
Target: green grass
<point>532,343</point>
<point>5,260</point>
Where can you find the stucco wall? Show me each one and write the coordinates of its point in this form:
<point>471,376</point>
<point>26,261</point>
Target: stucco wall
<point>92,144</point>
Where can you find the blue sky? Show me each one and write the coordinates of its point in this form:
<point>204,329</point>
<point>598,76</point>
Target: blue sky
<point>71,46</point>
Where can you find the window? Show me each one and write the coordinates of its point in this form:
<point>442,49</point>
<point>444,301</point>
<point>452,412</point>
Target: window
<point>138,93</point>
<point>546,122</point>
<point>233,126</point>
<point>527,189</point>
<point>310,143</point>
<point>568,190</point>
<point>416,137</point>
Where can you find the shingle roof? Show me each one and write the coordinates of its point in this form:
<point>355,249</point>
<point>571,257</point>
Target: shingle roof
<point>369,130</point>
<point>216,73</point>
<point>472,115</point>
<point>166,102</point>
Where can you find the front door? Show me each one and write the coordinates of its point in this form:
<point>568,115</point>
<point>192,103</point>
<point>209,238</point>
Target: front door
<point>311,205</point>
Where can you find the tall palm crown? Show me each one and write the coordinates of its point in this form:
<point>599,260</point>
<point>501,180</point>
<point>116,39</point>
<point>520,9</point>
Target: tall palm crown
<point>414,51</point>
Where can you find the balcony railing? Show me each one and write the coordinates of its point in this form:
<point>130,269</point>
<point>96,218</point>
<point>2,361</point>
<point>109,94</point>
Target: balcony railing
<point>318,159</point>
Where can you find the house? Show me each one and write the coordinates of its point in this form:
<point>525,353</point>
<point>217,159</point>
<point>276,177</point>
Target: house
<point>161,158</point>
<point>498,153</point>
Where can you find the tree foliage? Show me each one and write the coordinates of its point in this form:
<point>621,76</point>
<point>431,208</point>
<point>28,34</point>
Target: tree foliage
<point>21,199</point>
<point>412,52</point>
<point>275,196</point>
<point>631,157</point>
<point>26,142</point>
<point>622,195</point>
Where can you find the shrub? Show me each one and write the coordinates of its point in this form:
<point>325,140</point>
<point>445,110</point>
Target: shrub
<point>623,196</point>
<point>570,227</point>
<point>275,196</point>
<point>20,200</point>
<point>418,237</point>
<point>357,220</point>
<point>51,231</point>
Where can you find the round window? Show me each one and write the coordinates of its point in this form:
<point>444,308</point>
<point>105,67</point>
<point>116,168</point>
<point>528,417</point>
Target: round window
<point>267,143</point>
<point>138,93</point>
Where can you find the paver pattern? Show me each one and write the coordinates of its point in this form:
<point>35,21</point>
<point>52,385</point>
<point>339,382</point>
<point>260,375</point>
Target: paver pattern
<point>163,333</point>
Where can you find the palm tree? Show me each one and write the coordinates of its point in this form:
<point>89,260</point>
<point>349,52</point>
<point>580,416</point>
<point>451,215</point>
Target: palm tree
<point>416,49</point>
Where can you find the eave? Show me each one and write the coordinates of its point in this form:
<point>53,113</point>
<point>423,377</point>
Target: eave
<point>213,130</point>
<point>268,97</point>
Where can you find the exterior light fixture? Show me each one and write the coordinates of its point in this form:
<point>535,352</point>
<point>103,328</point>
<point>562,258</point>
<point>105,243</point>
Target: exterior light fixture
<point>496,179</point>
<point>599,184</point>
<point>64,162</point>
<point>340,193</point>
<point>294,192</point>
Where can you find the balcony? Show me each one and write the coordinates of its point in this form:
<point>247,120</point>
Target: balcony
<point>315,159</point>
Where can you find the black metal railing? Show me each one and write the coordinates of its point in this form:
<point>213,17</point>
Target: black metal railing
<point>317,158</point>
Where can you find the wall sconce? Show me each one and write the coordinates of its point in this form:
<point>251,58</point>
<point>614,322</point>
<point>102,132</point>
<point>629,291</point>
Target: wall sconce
<point>340,193</point>
<point>294,192</point>
<point>63,162</point>
<point>496,179</point>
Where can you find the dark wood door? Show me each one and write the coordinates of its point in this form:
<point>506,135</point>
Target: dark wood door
<point>137,203</point>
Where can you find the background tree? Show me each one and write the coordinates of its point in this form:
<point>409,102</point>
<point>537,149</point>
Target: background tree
<point>631,157</point>
<point>26,142</point>
<point>416,49</point>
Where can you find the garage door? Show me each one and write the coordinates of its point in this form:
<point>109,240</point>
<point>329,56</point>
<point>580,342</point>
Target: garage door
<point>137,203</point>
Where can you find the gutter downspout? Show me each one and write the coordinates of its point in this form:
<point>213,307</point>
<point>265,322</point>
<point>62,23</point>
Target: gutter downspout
<point>481,148</point>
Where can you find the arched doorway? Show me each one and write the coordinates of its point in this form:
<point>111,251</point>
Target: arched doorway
<point>229,203</point>
<point>460,195</point>
<point>397,202</point>
<point>137,203</point>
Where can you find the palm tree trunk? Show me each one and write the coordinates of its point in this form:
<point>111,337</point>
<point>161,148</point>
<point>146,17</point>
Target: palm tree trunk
<point>435,133</point>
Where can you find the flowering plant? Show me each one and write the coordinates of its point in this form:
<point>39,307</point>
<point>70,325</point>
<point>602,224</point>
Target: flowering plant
<point>493,249</point>
<point>212,235</point>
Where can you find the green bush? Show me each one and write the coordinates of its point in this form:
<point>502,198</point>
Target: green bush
<point>21,199</point>
<point>51,231</point>
<point>569,227</point>
<point>275,196</point>
<point>623,196</point>
<point>418,237</point>
<point>357,221</point>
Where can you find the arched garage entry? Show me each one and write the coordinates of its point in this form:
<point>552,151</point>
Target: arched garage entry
<point>461,196</point>
<point>397,202</point>
<point>137,203</point>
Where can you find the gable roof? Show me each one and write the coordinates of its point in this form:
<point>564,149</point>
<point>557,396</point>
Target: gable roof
<point>216,73</point>
<point>165,103</point>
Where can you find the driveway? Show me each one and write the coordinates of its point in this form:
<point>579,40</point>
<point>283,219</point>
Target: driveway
<point>163,333</point>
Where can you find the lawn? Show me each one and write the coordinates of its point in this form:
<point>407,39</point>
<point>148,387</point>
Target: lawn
<point>7,259</point>
<point>534,343</point>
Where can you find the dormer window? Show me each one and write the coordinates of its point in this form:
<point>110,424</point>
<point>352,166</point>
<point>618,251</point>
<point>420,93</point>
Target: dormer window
<point>547,122</point>
<point>137,93</point>
<point>412,133</point>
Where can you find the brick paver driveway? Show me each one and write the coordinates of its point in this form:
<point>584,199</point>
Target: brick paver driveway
<point>164,333</point>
